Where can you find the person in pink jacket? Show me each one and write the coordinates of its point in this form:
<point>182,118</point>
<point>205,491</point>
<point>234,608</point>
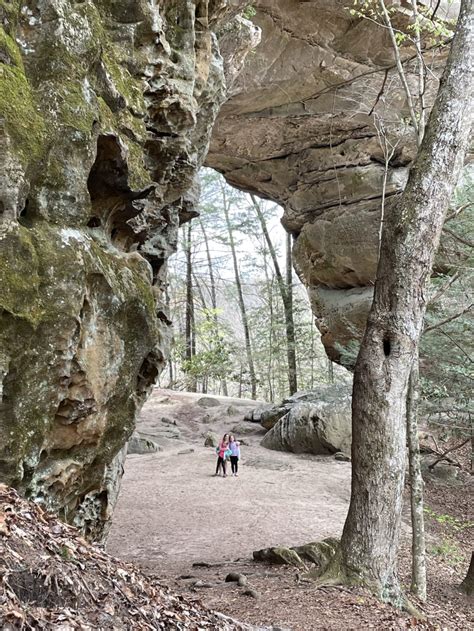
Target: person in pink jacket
<point>222,453</point>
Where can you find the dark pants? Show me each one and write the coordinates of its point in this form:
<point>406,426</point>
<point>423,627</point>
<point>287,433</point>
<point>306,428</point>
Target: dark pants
<point>220,463</point>
<point>234,463</point>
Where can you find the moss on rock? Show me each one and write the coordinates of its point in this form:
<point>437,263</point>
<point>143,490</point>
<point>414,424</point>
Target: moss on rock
<point>19,111</point>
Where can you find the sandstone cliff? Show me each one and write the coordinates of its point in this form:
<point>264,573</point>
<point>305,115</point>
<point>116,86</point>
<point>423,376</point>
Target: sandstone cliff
<point>105,114</point>
<point>106,110</point>
<point>312,121</point>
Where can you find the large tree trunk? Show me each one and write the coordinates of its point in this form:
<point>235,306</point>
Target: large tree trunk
<point>286,293</point>
<point>410,237</point>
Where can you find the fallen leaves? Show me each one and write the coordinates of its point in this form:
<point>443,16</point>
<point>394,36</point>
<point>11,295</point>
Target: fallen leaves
<point>50,577</point>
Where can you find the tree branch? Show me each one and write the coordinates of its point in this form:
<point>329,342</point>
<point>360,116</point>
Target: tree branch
<point>445,287</point>
<point>450,319</point>
<point>443,456</point>
<point>469,244</point>
<point>458,211</point>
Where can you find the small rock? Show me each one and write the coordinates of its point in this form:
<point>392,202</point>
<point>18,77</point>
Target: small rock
<point>342,457</point>
<point>168,421</point>
<point>211,440</point>
<point>232,410</point>
<point>185,451</point>
<point>251,592</point>
<point>232,577</point>
<point>208,402</point>
<point>4,529</point>
<point>202,584</point>
<point>242,580</point>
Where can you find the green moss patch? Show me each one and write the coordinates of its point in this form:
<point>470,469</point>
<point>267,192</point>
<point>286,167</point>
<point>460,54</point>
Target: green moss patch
<point>19,278</point>
<point>19,110</point>
<point>9,49</point>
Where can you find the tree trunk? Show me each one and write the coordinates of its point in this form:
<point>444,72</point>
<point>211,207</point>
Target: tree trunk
<point>410,237</point>
<point>243,311</point>
<point>190,340</point>
<point>170,361</point>
<point>286,293</point>
<point>269,286</point>
<point>467,585</point>
<point>211,271</point>
<point>289,320</point>
<point>418,572</point>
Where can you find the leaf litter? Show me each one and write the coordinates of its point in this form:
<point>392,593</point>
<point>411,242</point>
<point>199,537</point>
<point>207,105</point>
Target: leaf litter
<point>52,578</point>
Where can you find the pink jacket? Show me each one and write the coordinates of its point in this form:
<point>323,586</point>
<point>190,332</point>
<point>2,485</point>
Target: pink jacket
<point>223,447</point>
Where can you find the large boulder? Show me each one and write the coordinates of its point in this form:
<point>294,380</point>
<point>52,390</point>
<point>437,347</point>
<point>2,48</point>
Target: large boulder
<point>208,402</point>
<point>318,422</point>
<point>141,445</point>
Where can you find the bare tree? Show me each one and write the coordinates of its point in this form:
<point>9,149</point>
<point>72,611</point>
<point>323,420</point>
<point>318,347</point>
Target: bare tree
<point>286,294</point>
<point>410,237</point>
<point>240,295</point>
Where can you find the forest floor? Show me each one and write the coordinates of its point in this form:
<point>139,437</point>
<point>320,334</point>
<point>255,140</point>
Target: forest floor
<point>177,521</point>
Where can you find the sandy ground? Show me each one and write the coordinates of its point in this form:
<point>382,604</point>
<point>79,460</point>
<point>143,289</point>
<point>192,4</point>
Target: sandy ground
<point>172,511</point>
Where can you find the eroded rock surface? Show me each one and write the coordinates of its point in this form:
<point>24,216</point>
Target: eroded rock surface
<point>105,114</point>
<point>317,422</point>
<point>307,126</point>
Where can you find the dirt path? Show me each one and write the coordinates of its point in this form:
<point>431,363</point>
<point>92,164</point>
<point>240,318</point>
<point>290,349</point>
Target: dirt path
<point>173,512</point>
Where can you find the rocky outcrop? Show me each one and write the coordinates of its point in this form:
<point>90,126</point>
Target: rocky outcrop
<point>317,422</point>
<point>306,126</point>
<point>105,114</point>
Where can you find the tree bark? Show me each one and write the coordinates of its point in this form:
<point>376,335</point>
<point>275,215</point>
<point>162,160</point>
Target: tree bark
<point>289,319</point>
<point>467,585</point>
<point>211,271</point>
<point>418,572</point>
<point>190,343</point>
<point>286,293</point>
<point>240,296</point>
<point>269,284</point>
<point>410,237</point>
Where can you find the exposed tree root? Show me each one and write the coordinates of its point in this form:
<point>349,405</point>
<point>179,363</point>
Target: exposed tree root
<point>334,572</point>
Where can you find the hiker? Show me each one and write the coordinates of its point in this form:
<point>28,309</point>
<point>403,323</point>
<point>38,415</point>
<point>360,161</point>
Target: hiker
<point>234,447</point>
<point>223,452</point>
